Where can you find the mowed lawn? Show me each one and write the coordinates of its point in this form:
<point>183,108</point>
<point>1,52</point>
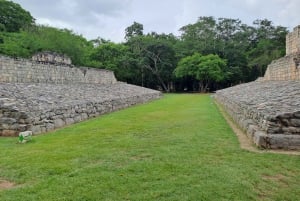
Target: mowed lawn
<point>176,148</point>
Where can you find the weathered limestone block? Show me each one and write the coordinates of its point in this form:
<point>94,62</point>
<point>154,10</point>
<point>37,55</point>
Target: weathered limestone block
<point>49,93</point>
<point>26,71</point>
<point>45,107</point>
<point>58,123</point>
<point>268,111</point>
<point>293,41</point>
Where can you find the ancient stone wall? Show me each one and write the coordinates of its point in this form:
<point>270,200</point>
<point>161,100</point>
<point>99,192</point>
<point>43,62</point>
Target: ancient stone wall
<point>41,107</point>
<point>293,41</point>
<point>285,68</point>
<point>41,96</point>
<point>27,71</point>
<point>51,57</point>
<point>288,67</point>
<point>269,109</point>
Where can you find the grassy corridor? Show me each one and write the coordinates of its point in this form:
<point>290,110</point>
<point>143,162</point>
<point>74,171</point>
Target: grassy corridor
<point>177,148</point>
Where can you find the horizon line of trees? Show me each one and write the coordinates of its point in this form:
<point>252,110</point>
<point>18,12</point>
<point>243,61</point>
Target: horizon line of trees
<point>209,54</point>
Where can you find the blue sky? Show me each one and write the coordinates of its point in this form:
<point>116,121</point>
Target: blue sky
<point>109,18</point>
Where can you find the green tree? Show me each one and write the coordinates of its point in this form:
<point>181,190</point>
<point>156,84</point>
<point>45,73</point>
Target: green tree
<point>205,69</point>
<point>268,44</point>
<point>136,29</point>
<point>42,38</point>
<point>200,36</point>
<point>13,17</point>
<point>155,57</point>
<point>113,57</point>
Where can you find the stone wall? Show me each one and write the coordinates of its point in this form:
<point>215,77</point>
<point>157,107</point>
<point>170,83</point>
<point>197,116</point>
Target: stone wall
<point>268,111</point>
<point>40,96</point>
<point>288,67</point>
<point>41,107</point>
<point>285,68</point>
<point>293,41</point>
<point>51,57</point>
<point>27,71</point>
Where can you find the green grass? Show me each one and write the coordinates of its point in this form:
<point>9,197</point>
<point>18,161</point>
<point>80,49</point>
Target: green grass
<point>177,148</point>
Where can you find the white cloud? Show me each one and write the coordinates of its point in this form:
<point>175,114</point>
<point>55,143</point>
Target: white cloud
<point>109,18</point>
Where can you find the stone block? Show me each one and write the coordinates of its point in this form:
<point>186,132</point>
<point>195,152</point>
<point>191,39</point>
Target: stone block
<point>58,123</point>
<point>69,121</point>
<point>77,118</point>
<point>260,139</point>
<point>295,122</point>
<point>251,130</point>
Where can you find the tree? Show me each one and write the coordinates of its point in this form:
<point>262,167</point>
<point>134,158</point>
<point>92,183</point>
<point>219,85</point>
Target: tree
<point>201,36</point>
<point>158,58</point>
<point>205,69</point>
<point>113,57</point>
<point>13,17</point>
<point>42,38</point>
<point>136,29</point>
<point>155,57</point>
<point>267,45</point>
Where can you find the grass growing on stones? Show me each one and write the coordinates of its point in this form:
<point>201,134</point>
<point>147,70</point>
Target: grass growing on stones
<point>176,148</point>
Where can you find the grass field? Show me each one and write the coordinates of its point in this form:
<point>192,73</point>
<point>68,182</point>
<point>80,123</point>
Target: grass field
<point>177,148</point>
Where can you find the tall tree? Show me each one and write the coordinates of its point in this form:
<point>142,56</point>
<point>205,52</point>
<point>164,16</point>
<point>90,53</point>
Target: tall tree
<point>114,57</point>
<point>158,57</point>
<point>201,36</point>
<point>136,29</point>
<point>13,17</point>
<point>205,69</point>
<point>268,44</point>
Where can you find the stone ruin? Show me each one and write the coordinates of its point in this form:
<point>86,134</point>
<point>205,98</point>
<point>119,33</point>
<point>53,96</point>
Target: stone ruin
<point>47,93</point>
<point>52,58</point>
<point>268,110</point>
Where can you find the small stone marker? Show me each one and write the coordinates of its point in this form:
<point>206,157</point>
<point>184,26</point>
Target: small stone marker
<point>25,136</point>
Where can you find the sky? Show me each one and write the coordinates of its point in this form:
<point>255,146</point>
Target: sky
<point>108,19</point>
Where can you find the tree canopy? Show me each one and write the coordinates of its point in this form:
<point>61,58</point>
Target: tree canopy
<point>209,54</point>
<point>13,17</point>
<point>205,69</point>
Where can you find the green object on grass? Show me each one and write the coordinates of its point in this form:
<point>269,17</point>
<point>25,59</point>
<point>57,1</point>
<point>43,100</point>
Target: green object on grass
<point>21,138</point>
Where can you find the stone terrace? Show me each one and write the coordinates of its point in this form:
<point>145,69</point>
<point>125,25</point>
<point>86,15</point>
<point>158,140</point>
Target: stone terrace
<point>268,111</point>
<point>42,107</point>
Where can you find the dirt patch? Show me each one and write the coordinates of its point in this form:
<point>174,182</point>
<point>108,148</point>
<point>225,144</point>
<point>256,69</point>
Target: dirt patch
<point>245,142</point>
<point>278,177</point>
<point>4,184</point>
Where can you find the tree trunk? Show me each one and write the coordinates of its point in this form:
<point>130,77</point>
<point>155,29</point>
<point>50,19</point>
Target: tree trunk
<point>164,86</point>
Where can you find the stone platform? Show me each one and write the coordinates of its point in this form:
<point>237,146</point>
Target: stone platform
<point>42,107</point>
<point>268,111</point>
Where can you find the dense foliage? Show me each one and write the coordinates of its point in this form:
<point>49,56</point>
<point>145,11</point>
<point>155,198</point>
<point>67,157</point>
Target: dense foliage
<point>229,51</point>
<point>13,17</point>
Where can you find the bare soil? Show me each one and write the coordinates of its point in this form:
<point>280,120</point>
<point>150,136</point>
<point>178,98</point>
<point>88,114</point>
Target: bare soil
<point>4,184</point>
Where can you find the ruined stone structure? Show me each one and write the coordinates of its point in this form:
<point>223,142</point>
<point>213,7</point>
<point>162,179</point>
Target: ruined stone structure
<point>288,67</point>
<point>27,71</point>
<point>293,41</point>
<point>269,109</point>
<point>51,57</point>
<point>41,96</point>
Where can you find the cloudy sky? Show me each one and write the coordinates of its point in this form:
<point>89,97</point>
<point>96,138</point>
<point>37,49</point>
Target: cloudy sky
<point>108,19</point>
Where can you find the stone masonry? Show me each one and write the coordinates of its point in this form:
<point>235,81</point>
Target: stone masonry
<point>288,67</point>
<point>269,109</point>
<point>28,71</point>
<point>293,41</point>
<point>41,97</point>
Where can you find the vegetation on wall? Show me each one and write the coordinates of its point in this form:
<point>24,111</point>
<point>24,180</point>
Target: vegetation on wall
<point>226,51</point>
